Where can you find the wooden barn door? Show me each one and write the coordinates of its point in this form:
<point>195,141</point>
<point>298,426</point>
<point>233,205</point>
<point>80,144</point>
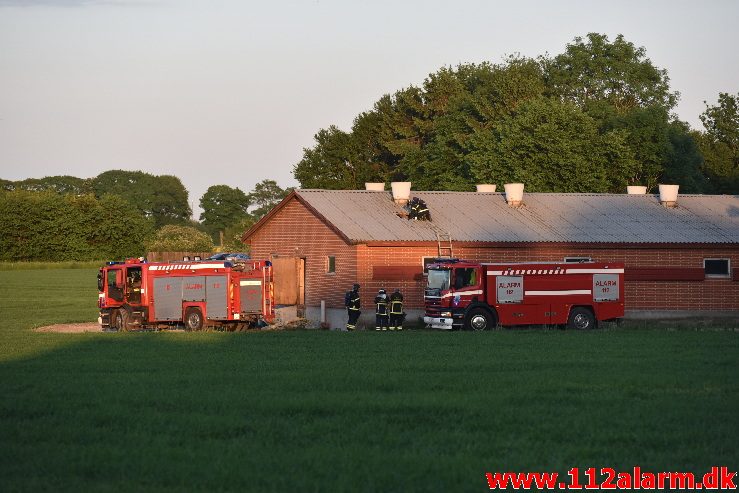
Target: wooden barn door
<point>289,275</point>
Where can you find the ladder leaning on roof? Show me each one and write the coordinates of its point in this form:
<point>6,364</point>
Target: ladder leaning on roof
<point>443,242</point>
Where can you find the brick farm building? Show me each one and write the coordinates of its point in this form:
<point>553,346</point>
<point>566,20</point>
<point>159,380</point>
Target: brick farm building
<point>680,261</point>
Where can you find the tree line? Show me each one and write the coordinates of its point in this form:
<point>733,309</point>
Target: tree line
<point>120,214</point>
<point>595,118</point>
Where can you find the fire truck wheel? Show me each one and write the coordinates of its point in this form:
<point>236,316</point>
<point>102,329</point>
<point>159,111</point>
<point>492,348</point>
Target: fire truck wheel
<point>581,319</point>
<point>193,319</point>
<point>479,319</point>
<point>121,320</point>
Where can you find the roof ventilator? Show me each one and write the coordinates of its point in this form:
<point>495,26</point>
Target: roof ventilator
<point>668,195</point>
<point>514,194</point>
<point>485,188</point>
<point>401,192</point>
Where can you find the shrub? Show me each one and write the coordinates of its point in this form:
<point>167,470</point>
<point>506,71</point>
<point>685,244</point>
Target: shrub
<point>173,238</point>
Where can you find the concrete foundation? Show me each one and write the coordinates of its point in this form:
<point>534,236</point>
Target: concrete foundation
<point>286,314</point>
<point>336,318</point>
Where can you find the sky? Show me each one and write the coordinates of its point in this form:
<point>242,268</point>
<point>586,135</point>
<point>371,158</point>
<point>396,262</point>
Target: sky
<point>231,92</point>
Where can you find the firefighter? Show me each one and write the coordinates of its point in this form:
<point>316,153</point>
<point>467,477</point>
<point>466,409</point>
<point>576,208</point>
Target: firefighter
<point>381,316</point>
<point>353,304</point>
<point>418,210</point>
<point>396,310</point>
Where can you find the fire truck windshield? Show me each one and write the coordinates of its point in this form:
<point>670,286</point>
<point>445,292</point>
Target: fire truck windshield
<point>438,279</point>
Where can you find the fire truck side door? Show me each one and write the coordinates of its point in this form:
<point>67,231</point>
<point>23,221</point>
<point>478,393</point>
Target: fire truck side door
<point>250,294</point>
<point>216,288</point>
<point>114,282</point>
<point>133,285</point>
<point>167,298</point>
<point>467,283</point>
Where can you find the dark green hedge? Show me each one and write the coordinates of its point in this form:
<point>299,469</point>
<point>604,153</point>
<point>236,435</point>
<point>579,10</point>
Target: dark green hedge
<point>47,226</point>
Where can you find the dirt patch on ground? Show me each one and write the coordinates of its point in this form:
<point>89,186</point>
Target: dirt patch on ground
<point>71,328</point>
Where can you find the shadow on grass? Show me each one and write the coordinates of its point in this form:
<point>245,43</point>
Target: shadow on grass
<point>329,411</point>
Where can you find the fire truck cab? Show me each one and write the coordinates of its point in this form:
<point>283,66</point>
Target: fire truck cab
<point>140,294</point>
<point>475,296</point>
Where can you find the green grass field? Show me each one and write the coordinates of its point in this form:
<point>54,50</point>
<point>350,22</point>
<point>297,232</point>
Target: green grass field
<point>334,411</point>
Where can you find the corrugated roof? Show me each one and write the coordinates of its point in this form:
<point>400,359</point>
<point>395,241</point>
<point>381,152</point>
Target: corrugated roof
<point>366,216</point>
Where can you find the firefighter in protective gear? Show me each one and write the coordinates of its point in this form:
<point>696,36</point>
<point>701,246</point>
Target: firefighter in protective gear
<point>353,305</point>
<point>396,310</point>
<point>381,314</point>
<point>417,210</point>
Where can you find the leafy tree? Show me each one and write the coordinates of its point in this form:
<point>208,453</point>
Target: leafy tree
<point>173,238</point>
<point>116,228</point>
<point>647,132</point>
<point>683,160</point>
<point>331,163</point>
<point>617,85</point>
<point>404,127</point>
<point>449,132</point>
<point>59,184</point>
<point>233,234</point>
<point>265,195</point>
<point>617,72</point>
<point>368,147</point>
<point>551,146</point>
<point>720,143</point>
<point>499,89</point>
<point>162,198</point>
<point>420,134</point>
<point>222,207</point>
<point>442,129</point>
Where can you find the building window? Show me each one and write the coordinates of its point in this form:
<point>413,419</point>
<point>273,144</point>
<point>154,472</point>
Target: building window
<point>578,260</point>
<point>331,264</point>
<point>717,267</point>
<point>426,262</point>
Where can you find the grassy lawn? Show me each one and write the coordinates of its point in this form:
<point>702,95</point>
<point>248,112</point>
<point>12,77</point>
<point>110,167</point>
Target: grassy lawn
<point>330,411</point>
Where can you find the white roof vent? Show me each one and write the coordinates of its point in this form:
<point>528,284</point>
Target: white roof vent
<point>401,192</point>
<point>668,195</point>
<point>513,194</point>
<point>375,187</point>
<point>485,188</point>
<point>636,190</point>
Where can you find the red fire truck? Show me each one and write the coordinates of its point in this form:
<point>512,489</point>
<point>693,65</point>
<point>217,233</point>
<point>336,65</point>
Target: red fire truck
<point>139,294</point>
<point>474,296</point>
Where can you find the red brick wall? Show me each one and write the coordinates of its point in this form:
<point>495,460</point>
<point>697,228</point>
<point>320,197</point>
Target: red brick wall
<point>412,287</point>
<point>708,294</point>
<point>296,232</point>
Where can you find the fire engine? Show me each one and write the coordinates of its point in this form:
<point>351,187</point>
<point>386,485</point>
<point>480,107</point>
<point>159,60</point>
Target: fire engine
<point>479,296</point>
<point>139,294</point>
